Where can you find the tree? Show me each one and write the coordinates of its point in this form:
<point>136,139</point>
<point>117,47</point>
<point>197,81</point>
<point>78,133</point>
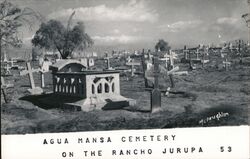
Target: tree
<point>11,19</point>
<point>162,45</point>
<point>54,36</point>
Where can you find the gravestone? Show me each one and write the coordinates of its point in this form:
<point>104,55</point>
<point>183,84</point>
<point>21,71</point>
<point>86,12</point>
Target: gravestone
<point>34,90</point>
<point>156,93</point>
<point>4,88</point>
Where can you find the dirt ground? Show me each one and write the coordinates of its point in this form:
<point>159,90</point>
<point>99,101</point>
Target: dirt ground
<point>210,96</point>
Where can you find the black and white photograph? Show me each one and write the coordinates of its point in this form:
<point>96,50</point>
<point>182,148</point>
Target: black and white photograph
<point>109,65</point>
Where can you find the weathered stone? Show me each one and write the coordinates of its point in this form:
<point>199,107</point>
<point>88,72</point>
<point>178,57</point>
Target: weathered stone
<point>156,93</point>
<point>95,89</point>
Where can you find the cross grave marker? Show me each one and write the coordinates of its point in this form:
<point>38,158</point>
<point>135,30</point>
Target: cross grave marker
<point>132,64</point>
<point>226,64</point>
<point>4,86</point>
<point>34,90</point>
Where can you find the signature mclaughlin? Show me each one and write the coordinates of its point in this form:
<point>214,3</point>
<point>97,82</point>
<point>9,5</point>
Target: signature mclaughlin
<point>217,117</point>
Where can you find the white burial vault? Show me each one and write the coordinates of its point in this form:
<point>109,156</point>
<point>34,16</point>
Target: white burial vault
<point>97,89</point>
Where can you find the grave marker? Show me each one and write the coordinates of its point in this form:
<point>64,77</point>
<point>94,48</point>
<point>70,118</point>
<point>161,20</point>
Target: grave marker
<point>144,68</point>
<point>96,89</point>
<point>107,61</point>
<point>132,64</point>
<point>197,54</point>
<point>170,67</point>
<point>4,87</point>
<point>34,90</point>
<point>226,64</point>
<point>44,67</point>
<point>156,93</point>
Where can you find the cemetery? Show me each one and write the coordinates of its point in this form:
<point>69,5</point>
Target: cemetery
<point>156,87</point>
<point>69,97</point>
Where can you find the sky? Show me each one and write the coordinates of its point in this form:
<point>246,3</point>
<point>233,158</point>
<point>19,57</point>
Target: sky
<point>141,23</point>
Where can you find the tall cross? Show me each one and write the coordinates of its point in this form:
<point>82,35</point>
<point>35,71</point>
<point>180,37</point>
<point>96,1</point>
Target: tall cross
<point>171,59</point>
<point>156,93</point>
<point>29,71</point>
<point>226,64</point>
<point>185,51</point>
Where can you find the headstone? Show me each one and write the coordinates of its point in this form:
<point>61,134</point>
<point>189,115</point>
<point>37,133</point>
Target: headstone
<point>91,62</point>
<point>156,93</point>
<point>34,90</point>
<point>4,86</point>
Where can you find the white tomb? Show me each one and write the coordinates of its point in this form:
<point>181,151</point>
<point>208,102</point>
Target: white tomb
<point>95,89</point>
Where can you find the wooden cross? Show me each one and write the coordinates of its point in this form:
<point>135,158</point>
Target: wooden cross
<point>185,54</point>
<point>171,59</point>
<point>4,86</point>
<point>156,93</point>
<point>197,54</point>
<point>226,64</point>
<point>29,71</point>
<point>132,64</point>
<point>240,52</point>
<point>203,59</point>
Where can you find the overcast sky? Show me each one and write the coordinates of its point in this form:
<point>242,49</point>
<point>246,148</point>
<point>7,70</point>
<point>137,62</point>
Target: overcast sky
<point>143,22</point>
